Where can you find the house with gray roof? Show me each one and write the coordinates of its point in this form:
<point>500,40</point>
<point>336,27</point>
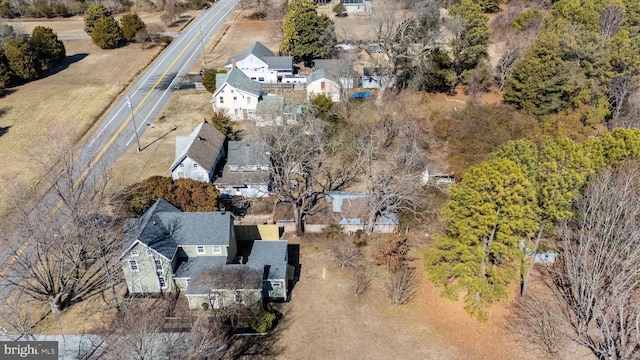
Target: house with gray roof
<point>348,210</point>
<point>198,154</point>
<point>246,173</point>
<point>167,250</point>
<point>330,78</point>
<point>236,95</point>
<point>274,111</point>
<point>260,64</point>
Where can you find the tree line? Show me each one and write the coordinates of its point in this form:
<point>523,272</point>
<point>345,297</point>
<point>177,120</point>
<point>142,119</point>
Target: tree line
<point>25,58</point>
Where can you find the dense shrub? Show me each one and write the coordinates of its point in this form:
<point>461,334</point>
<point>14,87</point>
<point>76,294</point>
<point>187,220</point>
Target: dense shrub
<point>185,194</point>
<point>262,321</point>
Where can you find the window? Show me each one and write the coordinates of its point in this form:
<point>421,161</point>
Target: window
<point>323,86</point>
<point>235,99</point>
<point>133,265</point>
<point>235,112</point>
<point>195,165</point>
<point>232,91</point>
<point>200,249</point>
<point>239,297</point>
<point>217,250</point>
<point>163,282</point>
<point>181,165</point>
<point>254,79</point>
<point>149,251</point>
<point>248,100</point>
<point>221,91</point>
<point>158,263</point>
<point>276,285</point>
<point>221,100</point>
<point>260,79</point>
<point>134,252</point>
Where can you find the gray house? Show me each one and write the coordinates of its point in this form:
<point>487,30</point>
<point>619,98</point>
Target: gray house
<point>274,111</point>
<point>349,210</point>
<point>246,173</point>
<point>167,250</point>
<point>198,154</point>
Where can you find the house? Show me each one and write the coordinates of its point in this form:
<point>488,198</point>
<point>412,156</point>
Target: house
<point>373,78</point>
<point>354,6</point>
<point>246,173</point>
<point>331,78</point>
<point>349,210</point>
<point>260,64</point>
<point>236,95</point>
<point>166,250</point>
<point>198,154</point>
<point>273,110</point>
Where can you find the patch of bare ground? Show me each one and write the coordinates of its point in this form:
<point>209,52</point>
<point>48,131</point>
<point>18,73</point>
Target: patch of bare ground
<point>324,318</point>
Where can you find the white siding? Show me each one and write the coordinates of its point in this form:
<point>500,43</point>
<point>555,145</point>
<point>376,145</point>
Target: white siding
<point>331,89</point>
<point>236,103</point>
<point>188,169</point>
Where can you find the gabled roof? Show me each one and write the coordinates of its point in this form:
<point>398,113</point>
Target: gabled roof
<point>242,178</point>
<point>203,146</point>
<point>257,49</point>
<point>226,277</point>
<point>246,153</point>
<point>237,79</point>
<point>148,230</point>
<point>337,66</point>
<point>270,105</point>
<point>270,257</point>
<point>279,62</point>
<point>163,228</point>
<point>319,74</point>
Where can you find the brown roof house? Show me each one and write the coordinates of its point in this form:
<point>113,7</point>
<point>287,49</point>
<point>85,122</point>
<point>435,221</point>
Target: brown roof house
<point>349,210</point>
<point>198,154</point>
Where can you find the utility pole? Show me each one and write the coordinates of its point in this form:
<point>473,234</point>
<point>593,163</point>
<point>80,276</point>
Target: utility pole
<point>202,46</point>
<point>133,119</point>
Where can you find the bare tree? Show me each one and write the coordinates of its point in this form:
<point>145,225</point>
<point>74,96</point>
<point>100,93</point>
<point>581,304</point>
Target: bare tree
<point>515,46</point>
<point>392,156</point>
<point>402,285</point>
<point>305,163</point>
<point>209,338</point>
<point>20,316</point>
<point>347,255</point>
<point>597,275</point>
<point>611,19</point>
<point>361,279</point>
<point>536,320</point>
<point>68,254</point>
<point>406,39</point>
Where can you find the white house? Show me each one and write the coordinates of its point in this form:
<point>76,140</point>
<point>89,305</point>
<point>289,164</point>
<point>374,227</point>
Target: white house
<point>318,82</point>
<point>246,173</point>
<point>260,64</point>
<point>236,95</point>
<point>198,154</point>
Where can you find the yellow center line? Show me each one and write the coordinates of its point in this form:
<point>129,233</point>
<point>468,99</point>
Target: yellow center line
<point>104,149</point>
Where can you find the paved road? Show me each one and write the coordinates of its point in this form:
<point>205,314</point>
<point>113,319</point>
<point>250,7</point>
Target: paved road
<point>131,115</point>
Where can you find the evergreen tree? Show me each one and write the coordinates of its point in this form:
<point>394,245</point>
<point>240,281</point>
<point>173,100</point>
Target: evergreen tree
<point>95,12</point>
<point>470,35</point>
<point>107,33</point>
<point>21,58</point>
<point>224,124</point>
<point>44,42</point>
<point>538,79</point>
<point>209,79</point>
<point>485,218</point>
<point>489,6</point>
<point>307,35</point>
<point>131,24</point>
<point>5,72</point>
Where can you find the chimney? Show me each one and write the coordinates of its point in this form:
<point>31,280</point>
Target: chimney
<point>203,120</point>
<point>233,63</point>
